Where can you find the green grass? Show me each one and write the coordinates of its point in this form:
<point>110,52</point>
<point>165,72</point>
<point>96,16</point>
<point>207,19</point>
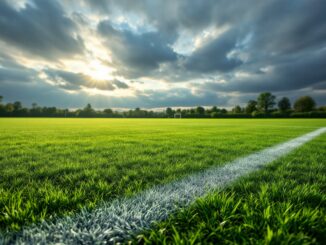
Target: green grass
<point>54,167</point>
<point>285,203</point>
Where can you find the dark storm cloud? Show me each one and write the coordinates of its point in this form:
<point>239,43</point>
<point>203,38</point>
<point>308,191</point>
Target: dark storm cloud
<point>11,71</point>
<point>120,84</point>
<point>67,80</point>
<point>40,28</point>
<point>41,93</point>
<point>16,75</point>
<point>288,27</point>
<point>140,52</point>
<point>75,81</point>
<point>285,76</point>
<point>213,56</point>
<point>171,16</point>
<point>320,86</point>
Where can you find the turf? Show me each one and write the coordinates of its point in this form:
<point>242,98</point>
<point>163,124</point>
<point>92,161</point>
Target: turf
<point>53,167</point>
<point>285,203</point>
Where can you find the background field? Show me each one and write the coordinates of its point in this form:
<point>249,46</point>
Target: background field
<point>53,167</point>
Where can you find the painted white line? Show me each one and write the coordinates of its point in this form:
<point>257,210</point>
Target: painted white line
<point>117,220</point>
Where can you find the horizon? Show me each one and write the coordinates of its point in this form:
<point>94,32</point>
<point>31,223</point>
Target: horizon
<point>154,55</point>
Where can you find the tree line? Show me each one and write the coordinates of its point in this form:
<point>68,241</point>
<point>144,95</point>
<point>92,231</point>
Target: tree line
<point>265,106</point>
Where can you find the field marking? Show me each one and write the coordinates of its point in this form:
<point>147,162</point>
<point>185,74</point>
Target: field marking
<point>117,220</point>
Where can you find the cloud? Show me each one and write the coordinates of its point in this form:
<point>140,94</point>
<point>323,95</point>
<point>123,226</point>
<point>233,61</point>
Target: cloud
<point>120,84</point>
<point>282,28</point>
<point>13,72</point>
<point>294,74</point>
<point>75,81</point>
<point>16,75</point>
<point>138,53</point>
<point>214,55</point>
<point>40,28</point>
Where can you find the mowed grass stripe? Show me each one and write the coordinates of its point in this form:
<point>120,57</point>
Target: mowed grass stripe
<point>118,220</point>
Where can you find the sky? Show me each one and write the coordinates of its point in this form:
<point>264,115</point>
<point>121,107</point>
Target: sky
<point>155,54</point>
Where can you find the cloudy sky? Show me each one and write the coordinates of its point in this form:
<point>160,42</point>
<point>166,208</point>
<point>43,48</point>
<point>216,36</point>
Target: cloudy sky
<point>151,54</point>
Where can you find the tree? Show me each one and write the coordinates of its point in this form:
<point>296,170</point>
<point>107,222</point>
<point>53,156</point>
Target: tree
<point>224,111</point>
<point>108,111</point>
<point>169,112</point>
<point>88,111</point>
<point>49,111</point>
<point>88,107</point>
<point>322,108</point>
<point>214,114</point>
<point>9,108</point>
<point>36,110</point>
<point>251,106</point>
<point>284,104</point>
<point>304,104</point>
<point>2,107</point>
<point>215,109</point>
<point>192,111</point>
<point>236,109</point>
<point>265,101</point>
<point>17,106</point>
<point>200,110</point>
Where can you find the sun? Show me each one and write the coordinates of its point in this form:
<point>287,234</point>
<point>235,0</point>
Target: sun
<point>98,71</point>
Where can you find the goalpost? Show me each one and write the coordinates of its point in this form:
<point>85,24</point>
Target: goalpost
<point>177,115</point>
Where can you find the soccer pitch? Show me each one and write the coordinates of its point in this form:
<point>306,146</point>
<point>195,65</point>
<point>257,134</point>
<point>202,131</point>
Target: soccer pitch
<point>52,168</point>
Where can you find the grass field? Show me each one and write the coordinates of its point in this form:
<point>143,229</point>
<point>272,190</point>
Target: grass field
<point>283,204</point>
<point>54,167</point>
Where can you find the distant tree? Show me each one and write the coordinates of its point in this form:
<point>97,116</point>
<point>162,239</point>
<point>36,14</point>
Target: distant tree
<point>108,111</point>
<point>237,109</point>
<point>224,111</point>
<point>184,112</point>
<point>322,108</point>
<point>2,107</point>
<point>9,108</point>
<point>66,112</point>
<point>284,104</point>
<point>17,106</point>
<point>169,112</point>
<point>49,111</point>
<point>251,106</point>
<point>200,110</point>
<point>215,109</point>
<point>138,113</point>
<point>88,107</point>
<point>36,110</point>
<point>214,114</point>
<point>192,111</point>
<point>88,111</point>
<point>258,114</point>
<point>265,102</point>
<point>304,104</point>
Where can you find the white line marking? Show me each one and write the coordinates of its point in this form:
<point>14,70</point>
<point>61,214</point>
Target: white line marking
<point>117,220</point>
